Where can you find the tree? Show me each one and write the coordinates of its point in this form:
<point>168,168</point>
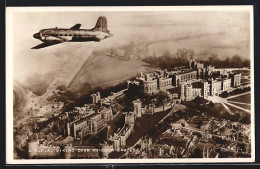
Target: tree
<point>228,61</point>
<point>161,97</point>
<point>167,54</point>
<point>237,61</point>
<point>246,119</point>
<point>62,88</point>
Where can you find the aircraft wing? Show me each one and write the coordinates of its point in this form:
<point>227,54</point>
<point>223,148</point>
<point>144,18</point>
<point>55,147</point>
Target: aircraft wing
<point>46,44</point>
<point>75,27</point>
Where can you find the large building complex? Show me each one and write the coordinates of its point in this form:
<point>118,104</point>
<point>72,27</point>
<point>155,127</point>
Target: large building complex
<point>162,89</point>
<point>211,82</point>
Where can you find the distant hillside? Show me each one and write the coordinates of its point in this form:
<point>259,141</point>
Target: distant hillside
<point>104,71</point>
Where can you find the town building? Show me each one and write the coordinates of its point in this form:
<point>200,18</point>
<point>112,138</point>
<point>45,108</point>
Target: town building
<point>89,123</point>
<point>188,93</point>
<point>130,118</point>
<point>235,79</point>
<point>134,82</point>
<point>151,83</point>
<point>202,71</point>
<point>226,84</point>
<point>80,128</point>
<point>119,138</point>
<point>215,87</point>
<point>205,89</point>
<point>106,114</point>
<point>164,82</point>
<point>137,108</point>
<point>95,122</point>
<point>184,76</point>
<point>95,97</point>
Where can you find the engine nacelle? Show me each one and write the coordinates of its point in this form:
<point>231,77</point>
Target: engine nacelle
<point>50,38</point>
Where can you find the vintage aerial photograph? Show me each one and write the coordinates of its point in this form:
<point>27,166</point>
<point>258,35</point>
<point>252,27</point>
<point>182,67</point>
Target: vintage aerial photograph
<point>130,84</point>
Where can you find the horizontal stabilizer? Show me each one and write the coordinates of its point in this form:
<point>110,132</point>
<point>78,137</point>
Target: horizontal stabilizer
<point>75,27</point>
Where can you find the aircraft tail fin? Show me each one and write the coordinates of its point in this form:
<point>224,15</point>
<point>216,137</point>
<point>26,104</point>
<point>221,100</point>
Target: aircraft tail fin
<point>101,25</point>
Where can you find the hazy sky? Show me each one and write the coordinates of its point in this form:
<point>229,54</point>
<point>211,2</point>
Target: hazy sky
<point>218,28</point>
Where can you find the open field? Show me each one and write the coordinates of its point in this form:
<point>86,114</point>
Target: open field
<point>242,105</point>
<point>235,110</point>
<point>244,98</point>
<point>104,71</point>
<point>245,80</point>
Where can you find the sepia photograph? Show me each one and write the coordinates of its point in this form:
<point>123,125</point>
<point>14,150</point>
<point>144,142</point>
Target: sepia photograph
<point>129,84</point>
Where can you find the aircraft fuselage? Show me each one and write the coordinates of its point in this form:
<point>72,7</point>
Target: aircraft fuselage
<point>69,35</point>
<point>56,35</point>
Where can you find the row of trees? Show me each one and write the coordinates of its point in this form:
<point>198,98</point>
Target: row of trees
<point>235,92</point>
<point>230,62</point>
<point>168,61</point>
<point>165,62</point>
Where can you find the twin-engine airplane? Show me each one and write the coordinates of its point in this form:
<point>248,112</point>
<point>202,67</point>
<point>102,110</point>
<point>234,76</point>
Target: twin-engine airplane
<point>56,35</point>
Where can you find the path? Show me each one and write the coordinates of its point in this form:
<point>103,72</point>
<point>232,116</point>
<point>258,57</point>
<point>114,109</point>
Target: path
<point>225,102</point>
<point>239,103</point>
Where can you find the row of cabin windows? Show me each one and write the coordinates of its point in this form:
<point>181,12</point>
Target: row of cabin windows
<point>55,34</point>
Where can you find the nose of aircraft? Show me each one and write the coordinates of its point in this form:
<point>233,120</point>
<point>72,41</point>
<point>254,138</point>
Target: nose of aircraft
<point>36,35</point>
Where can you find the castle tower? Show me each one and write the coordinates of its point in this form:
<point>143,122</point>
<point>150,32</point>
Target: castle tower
<point>95,97</point>
<point>137,108</point>
<point>182,97</point>
<point>128,83</point>
<point>108,131</point>
<point>68,129</point>
<point>205,89</point>
<point>116,144</point>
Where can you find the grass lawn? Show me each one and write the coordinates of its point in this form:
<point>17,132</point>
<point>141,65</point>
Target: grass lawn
<point>245,80</point>
<point>235,110</point>
<point>243,99</point>
<point>196,85</point>
<point>243,106</point>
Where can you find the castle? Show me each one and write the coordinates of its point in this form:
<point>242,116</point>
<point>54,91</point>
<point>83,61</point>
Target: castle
<point>211,82</point>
